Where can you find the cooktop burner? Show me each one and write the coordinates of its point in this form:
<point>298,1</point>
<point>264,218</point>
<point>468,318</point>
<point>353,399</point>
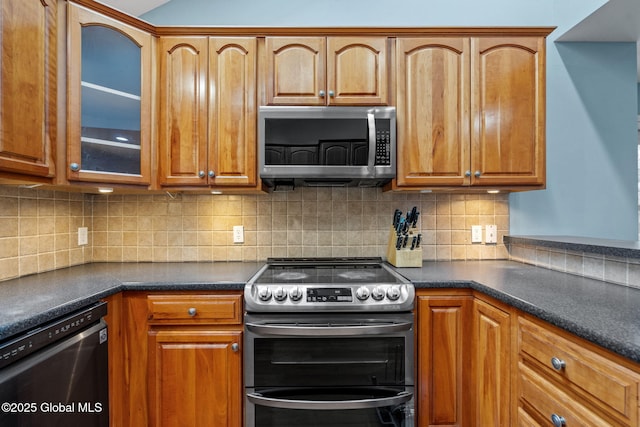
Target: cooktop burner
<point>337,284</point>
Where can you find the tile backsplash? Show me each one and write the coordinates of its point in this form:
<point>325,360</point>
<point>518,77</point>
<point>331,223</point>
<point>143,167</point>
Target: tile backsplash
<point>38,228</point>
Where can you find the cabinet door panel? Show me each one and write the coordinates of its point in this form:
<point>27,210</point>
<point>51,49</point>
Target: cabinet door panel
<point>357,70</point>
<point>28,86</point>
<point>183,110</point>
<point>492,357</point>
<point>232,111</point>
<point>508,106</point>
<point>109,116</point>
<point>195,378</point>
<point>295,70</point>
<point>433,111</point>
<point>442,361</point>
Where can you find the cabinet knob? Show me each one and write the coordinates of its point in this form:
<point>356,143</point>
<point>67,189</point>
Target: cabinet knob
<point>212,174</point>
<point>558,364</point>
<point>235,347</point>
<point>192,311</point>
<point>201,174</point>
<point>74,167</point>
<point>321,94</point>
<point>331,94</point>
<point>558,421</point>
<point>467,173</point>
<point>477,174</point>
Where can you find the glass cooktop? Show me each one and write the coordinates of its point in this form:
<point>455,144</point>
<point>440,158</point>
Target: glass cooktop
<point>327,271</point>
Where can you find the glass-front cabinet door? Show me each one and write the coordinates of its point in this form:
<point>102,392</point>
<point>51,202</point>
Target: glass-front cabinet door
<point>109,100</point>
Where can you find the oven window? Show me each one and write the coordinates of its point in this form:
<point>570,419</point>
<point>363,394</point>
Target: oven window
<point>312,362</point>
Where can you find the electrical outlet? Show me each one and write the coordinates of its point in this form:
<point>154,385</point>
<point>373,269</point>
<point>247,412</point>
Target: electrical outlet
<point>476,234</point>
<point>83,236</point>
<point>238,234</point>
<point>491,234</point>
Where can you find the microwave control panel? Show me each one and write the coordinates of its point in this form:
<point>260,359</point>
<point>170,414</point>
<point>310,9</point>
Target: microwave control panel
<point>383,145</point>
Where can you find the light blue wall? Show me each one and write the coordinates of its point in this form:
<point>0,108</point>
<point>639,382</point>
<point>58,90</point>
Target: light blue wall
<point>592,96</point>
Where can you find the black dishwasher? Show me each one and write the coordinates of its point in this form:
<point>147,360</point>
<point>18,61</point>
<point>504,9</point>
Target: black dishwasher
<point>57,374</point>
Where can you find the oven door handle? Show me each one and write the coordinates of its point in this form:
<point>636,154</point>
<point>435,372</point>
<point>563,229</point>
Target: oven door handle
<point>329,331</point>
<point>400,398</point>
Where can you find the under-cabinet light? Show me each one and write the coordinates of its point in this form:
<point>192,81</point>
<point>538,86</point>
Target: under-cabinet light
<point>216,192</point>
<point>105,190</point>
<point>122,138</point>
<point>493,191</point>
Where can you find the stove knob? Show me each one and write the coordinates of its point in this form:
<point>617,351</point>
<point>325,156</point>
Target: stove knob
<point>362,293</point>
<point>377,293</point>
<point>393,293</point>
<point>264,294</point>
<point>295,294</point>
<point>280,294</point>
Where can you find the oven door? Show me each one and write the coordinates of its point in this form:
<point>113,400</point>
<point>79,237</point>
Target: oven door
<point>330,407</point>
<point>329,369</point>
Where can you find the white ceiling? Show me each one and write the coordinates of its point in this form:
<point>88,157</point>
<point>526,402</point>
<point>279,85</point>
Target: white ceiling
<point>135,8</point>
<point>615,21</point>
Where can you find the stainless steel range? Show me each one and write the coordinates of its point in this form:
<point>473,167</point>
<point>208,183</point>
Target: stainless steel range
<point>328,342</point>
<point>328,284</point>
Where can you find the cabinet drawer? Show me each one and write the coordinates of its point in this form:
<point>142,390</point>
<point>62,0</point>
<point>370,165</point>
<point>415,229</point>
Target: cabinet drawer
<point>600,380</point>
<point>540,399</point>
<point>181,309</point>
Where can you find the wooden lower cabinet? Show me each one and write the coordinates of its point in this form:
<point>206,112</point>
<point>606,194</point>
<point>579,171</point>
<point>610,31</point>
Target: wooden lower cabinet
<point>182,355</point>
<point>562,376</point>
<point>442,358</point>
<point>491,373</point>
<point>195,378</point>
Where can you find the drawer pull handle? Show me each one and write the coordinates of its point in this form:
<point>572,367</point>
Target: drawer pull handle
<point>558,364</point>
<point>192,311</point>
<point>235,347</point>
<point>558,421</point>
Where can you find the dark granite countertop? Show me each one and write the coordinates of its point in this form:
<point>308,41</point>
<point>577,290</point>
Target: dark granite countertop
<point>603,313</point>
<point>32,300</point>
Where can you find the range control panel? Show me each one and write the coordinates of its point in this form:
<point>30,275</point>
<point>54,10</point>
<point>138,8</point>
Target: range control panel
<point>298,297</point>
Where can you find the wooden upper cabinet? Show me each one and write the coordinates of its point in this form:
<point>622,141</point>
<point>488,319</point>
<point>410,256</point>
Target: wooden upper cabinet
<point>432,111</point>
<point>232,111</point>
<point>108,99</point>
<point>471,111</point>
<point>182,134</point>
<point>28,86</point>
<point>207,123</point>
<point>326,71</point>
<point>508,111</point>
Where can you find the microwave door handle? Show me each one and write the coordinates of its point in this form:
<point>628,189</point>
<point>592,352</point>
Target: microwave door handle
<point>398,399</point>
<point>328,331</point>
<point>371,120</point>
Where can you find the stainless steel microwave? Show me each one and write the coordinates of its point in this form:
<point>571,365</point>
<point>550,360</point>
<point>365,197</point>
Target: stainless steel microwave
<point>326,146</point>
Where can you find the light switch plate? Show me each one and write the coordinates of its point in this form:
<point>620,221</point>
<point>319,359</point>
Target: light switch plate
<point>238,234</point>
<point>491,234</point>
<point>83,236</point>
<point>476,234</point>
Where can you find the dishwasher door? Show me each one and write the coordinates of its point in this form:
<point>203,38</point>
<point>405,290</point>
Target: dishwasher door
<point>64,384</point>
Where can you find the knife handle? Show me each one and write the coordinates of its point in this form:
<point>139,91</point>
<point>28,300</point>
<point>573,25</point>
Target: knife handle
<point>413,242</point>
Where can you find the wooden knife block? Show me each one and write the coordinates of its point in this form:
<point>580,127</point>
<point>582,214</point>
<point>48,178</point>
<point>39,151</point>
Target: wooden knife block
<point>404,257</point>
